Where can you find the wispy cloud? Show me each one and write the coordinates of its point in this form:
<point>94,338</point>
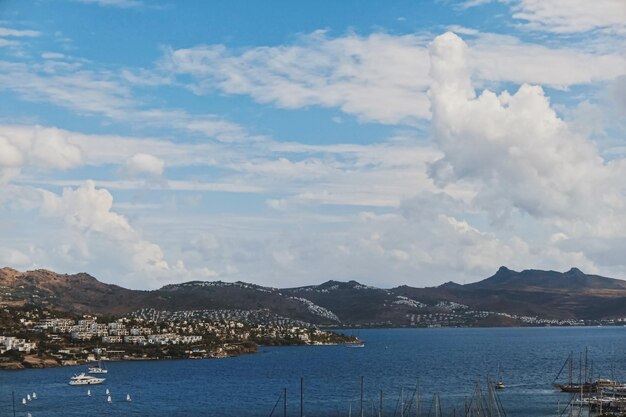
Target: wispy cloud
<point>18,33</point>
<point>122,4</point>
<point>571,16</point>
<point>381,77</point>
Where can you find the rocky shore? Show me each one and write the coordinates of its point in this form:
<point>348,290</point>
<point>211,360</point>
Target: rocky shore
<point>32,361</point>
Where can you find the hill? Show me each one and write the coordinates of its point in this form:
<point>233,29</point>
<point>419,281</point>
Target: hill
<point>507,294</point>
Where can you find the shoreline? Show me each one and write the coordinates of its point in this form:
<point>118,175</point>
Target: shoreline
<point>48,361</point>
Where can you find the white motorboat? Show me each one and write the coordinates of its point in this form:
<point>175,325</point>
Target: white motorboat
<point>83,379</point>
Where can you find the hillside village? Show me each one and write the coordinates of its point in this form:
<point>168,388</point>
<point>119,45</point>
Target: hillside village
<point>147,334</point>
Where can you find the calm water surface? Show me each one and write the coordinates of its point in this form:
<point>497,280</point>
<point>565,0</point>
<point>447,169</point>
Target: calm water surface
<point>448,361</point>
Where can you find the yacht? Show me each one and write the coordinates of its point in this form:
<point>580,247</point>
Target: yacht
<point>84,379</point>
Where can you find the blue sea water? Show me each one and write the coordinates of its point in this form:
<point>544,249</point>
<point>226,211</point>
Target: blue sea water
<point>447,361</point>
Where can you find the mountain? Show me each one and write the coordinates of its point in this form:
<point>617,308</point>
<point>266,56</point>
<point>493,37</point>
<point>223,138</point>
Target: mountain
<point>545,294</point>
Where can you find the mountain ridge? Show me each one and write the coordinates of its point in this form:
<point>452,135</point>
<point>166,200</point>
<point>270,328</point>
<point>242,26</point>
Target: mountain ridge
<point>531,292</point>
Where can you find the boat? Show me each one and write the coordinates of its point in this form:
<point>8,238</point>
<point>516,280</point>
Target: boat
<point>89,393</point>
<point>84,379</point>
<point>97,369</point>
<point>34,396</point>
<point>109,399</point>
<point>356,345</point>
<point>584,385</point>
<point>128,398</point>
<point>500,383</point>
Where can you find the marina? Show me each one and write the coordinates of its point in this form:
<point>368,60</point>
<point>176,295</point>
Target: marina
<point>448,366</point>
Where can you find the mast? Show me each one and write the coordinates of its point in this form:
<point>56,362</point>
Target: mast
<point>586,364</point>
<point>580,369</point>
<point>285,403</point>
<point>301,397</point>
<point>380,412</point>
<point>571,368</point>
<point>362,410</point>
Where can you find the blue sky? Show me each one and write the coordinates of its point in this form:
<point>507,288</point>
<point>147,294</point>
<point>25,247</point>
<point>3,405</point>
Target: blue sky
<point>288,143</point>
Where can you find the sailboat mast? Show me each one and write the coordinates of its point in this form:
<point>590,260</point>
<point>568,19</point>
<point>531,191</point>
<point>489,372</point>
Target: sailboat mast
<point>586,364</point>
<point>571,368</point>
<point>362,410</point>
<point>301,397</point>
<point>580,369</point>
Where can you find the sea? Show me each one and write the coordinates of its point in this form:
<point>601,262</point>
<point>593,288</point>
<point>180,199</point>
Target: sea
<point>448,363</point>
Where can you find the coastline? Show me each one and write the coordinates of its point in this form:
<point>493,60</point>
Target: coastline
<point>48,361</point>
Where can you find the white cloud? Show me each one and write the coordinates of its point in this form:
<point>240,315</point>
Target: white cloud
<point>5,43</point>
<point>13,257</point>
<point>83,91</point>
<point>519,153</point>
<point>68,82</point>
<point>18,33</point>
<point>46,149</point>
<point>565,16</point>
<point>97,229</point>
<point>571,16</point>
<point>380,77</point>
<point>10,155</point>
<point>505,58</point>
<point>122,4</point>
<point>52,55</point>
<point>142,164</point>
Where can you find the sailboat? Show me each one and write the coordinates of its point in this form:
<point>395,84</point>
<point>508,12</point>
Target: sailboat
<point>570,386</point>
<point>28,397</point>
<point>109,399</point>
<point>89,393</point>
<point>500,383</point>
<point>97,369</point>
<point>128,398</point>
<point>107,392</point>
<point>24,401</point>
<point>34,396</point>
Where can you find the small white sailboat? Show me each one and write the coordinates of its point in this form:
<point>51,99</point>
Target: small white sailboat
<point>107,392</point>
<point>34,396</point>
<point>24,401</point>
<point>128,398</point>
<point>109,399</point>
<point>89,393</point>
<point>28,397</point>
<point>29,415</point>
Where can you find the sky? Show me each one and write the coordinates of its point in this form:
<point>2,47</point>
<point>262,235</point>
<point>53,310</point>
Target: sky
<point>289,143</point>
